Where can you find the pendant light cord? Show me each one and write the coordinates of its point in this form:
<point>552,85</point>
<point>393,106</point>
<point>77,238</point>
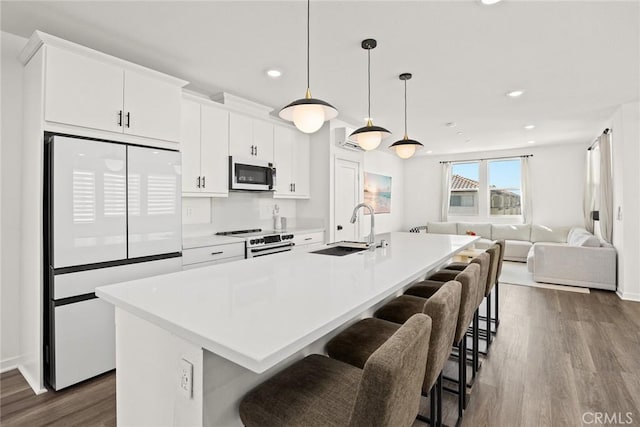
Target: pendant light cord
<point>369,84</point>
<point>405,109</point>
<point>308,43</point>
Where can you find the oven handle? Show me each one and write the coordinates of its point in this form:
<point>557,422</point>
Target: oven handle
<point>270,248</point>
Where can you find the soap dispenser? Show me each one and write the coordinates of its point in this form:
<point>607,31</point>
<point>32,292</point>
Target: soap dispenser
<point>277,225</point>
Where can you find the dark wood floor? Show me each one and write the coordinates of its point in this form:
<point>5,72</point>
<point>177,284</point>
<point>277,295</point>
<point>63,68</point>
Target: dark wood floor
<point>557,355</point>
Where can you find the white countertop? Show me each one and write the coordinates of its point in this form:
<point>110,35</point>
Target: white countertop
<point>259,312</point>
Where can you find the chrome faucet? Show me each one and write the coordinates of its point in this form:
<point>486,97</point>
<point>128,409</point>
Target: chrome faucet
<point>354,216</point>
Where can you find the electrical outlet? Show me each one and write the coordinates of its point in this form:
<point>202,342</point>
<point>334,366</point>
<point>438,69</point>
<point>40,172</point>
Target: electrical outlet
<point>186,378</point>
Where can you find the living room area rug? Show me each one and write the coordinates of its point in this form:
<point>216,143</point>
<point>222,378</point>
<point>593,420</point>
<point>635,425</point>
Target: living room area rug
<point>516,273</point>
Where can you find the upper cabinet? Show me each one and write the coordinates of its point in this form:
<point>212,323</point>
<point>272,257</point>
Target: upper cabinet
<point>291,154</point>
<point>205,150</point>
<point>250,137</point>
<point>87,89</point>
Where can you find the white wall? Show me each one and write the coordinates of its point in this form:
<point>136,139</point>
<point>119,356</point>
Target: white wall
<point>557,181</point>
<point>390,165</point>
<point>10,157</point>
<point>625,126</point>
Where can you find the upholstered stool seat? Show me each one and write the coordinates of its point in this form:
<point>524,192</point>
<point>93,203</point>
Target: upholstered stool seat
<point>318,391</point>
<point>401,308</point>
<point>424,289</point>
<point>355,344</point>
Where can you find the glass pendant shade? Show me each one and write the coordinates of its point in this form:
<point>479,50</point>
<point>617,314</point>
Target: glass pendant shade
<point>405,148</point>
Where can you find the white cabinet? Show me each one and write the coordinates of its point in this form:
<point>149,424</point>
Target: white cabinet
<point>210,255</point>
<point>307,241</point>
<point>250,138</point>
<point>88,92</point>
<point>291,158</point>
<point>205,155</point>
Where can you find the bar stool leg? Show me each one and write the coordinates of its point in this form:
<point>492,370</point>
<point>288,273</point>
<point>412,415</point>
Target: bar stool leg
<point>497,317</point>
<point>462,379</point>
<point>488,322</point>
<point>433,413</point>
<point>476,343</point>
<point>439,393</point>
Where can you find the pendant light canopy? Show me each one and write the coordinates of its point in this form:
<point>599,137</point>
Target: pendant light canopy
<point>369,136</point>
<point>308,114</point>
<point>405,147</point>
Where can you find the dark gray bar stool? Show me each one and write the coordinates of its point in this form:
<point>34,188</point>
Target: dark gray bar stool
<point>319,391</point>
<point>401,308</point>
<point>355,344</point>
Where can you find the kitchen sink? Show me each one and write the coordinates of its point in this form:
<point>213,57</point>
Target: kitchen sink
<point>343,249</point>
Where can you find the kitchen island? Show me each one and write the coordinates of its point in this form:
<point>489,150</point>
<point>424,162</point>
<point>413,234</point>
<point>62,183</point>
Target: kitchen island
<point>237,324</point>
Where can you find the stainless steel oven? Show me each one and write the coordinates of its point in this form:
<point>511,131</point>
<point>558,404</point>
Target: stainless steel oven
<point>269,244</point>
<point>251,175</point>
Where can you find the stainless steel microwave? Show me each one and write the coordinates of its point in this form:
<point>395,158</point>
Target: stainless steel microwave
<point>251,175</point>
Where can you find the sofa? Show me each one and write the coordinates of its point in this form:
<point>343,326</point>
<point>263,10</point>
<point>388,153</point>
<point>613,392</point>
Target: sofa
<point>561,255</point>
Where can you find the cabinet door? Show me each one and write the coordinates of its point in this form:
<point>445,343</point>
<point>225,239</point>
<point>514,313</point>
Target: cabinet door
<point>263,140</point>
<point>82,91</point>
<point>190,147</point>
<point>241,136</point>
<point>283,157</point>
<point>152,107</point>
<point>301,166</point>
<point>214,149</point>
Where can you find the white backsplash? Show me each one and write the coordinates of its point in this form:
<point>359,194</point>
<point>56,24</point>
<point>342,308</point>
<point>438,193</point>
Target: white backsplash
<point>238,211</point>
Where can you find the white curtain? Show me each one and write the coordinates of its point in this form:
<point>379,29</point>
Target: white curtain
<point>527,208</point>
<point>445,190</point>
<point>589,202</point>
<point>606,188</point>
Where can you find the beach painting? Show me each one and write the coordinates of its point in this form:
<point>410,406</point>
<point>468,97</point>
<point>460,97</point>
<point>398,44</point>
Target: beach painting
<point>377,192</point>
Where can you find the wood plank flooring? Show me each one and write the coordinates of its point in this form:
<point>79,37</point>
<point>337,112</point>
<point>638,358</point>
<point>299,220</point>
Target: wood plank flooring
<point>557,355</point>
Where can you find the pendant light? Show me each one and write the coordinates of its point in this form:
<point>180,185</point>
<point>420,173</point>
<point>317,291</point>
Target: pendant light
<point>369,136</point>
<point>405,147</point>
<point>308,114</point>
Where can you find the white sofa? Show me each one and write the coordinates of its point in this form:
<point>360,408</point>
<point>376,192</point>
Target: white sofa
<point>561,255</point>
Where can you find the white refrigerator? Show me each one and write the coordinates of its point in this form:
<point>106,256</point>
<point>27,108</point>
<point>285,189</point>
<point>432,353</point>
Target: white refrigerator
<point>112,213</point>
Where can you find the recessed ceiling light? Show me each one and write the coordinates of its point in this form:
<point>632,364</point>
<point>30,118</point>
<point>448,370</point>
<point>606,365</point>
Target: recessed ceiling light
<point>450,124</point>
<point>429,151</point>
<point>531,142</point>
<point>274,73</point>
<point>489,2</point>
<point>515,93</point>
<point>468,140</point>
<point>529,127</point>
<point>459,132</point>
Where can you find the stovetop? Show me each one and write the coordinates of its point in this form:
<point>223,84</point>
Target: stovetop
<point>251,233</point>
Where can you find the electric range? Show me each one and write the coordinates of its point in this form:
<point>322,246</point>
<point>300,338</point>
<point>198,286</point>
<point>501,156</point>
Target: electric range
<point>263,242</point>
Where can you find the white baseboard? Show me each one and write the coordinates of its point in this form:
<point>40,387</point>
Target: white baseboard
<point>628,296</point>
<point>9,364</point>
<point>35,385</point>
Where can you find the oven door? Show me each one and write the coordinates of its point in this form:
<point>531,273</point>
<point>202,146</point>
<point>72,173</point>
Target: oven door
<point>269,249</point>
<point>251,175</point>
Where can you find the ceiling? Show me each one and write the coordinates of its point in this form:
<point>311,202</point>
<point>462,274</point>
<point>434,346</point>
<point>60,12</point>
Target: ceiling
<point>576,60</point>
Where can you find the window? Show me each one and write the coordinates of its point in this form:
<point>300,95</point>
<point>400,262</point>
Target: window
<point>486,188</point>
<point>464,188</point>
<point>504,187</point>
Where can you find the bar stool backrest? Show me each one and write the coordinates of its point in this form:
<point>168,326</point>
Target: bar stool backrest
<point>484,261</point>
<point>494,255</point>
<point>389,391</point>
<point>443,308</point>
<point>469,279</point>
<point>500,243</point>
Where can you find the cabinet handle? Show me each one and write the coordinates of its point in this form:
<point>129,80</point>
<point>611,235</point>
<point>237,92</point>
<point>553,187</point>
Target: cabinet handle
<point>290,188</point>
<point>128,123</point>
<point>198,182</point>
<point>252,150</point>
<point>256,150</point>
<point>120,118</point>
<point>294,187</point>
<point>204,182</point>
<point>308,238</point>
<point>217,253</point>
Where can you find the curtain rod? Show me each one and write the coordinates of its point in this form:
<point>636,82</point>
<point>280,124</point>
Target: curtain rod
<point>488,158</point>
<point>604,132</point>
